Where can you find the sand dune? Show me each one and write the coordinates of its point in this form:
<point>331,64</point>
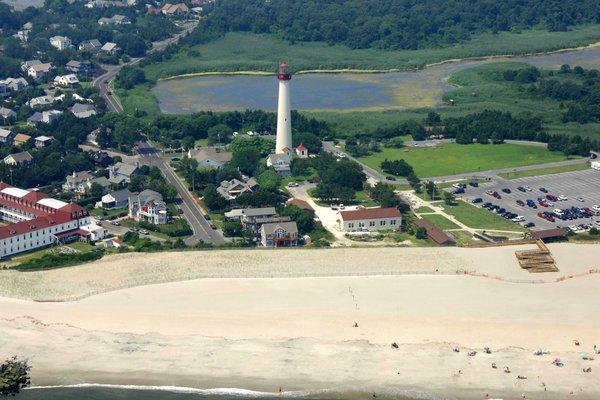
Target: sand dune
<point>254,324</point>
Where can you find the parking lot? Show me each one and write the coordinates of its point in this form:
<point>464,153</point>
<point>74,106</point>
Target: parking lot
<point>577,184</point>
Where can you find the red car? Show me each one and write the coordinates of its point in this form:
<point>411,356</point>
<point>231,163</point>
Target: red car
<point>541,215</point>
<point>521,203</point>
<point>551,198</point>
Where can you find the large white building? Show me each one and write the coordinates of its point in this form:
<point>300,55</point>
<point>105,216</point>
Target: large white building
<point>37,220</point>
<point>370,219</point>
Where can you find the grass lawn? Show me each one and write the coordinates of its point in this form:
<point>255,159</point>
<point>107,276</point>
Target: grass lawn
<point>452,158</point>
<point>479,218</point>
<point>463,237</point>
<point>424,209</point>
<point>108,214</point>
<point>400,237</point>
<point>545,171</point>
<point>440,221</point>
<point>319,232</point>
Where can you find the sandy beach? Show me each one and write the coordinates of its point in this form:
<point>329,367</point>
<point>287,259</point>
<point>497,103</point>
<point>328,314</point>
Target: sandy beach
<point>261,320</point>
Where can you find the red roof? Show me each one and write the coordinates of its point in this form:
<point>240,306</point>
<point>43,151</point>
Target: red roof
<point>370,213</point>
<point>33,225</point>
<point>434,233</point>
<point>549,233</point>
<point>284,65</point>
<point>301,204</point>
<point>301,147</point>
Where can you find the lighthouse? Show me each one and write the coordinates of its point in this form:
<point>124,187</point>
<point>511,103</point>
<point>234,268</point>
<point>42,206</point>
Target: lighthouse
<point>283,143</point>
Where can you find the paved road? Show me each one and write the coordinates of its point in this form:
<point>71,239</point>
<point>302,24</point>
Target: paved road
<point>104,81</point>
<point>150,155</point>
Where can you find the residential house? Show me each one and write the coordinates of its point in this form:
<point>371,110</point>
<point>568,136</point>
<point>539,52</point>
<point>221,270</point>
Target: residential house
<point>113,243</point>
<point>210,157</point>
<point>301,151</point>
<point>41,101</point>
<point>233,188</point>
<point>83,110</point>
<point>20,139</point>
<point>28,64</point>
<point>279,234</point>
<point>6,136</point>
<point>18,158</point>
<point>45,117</point>
<point>77,182</point>
<point>43,141</point>
<point>280,162</point>
<point>60,42</point>
<point>9,85</point>
<point>7,115</point>
<point>103,182</point>
<point>121,173</point>
<point>370,219</point>
<point>79,67</point>
<point>91,46</point>
<point>101,158</point>
<point>175,9</point>
<point>66,80</point>
<point>253,218</point>
<point>116,199</point>
<point>23,35</point>
<point>110,48</point>
<point>148,206</point>
<point>116,19</point>
<point>39,71</point>
<point>153,11</point>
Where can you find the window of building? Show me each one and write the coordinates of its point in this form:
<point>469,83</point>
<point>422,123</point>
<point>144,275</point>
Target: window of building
<point>393,222</point>
<point>361,224</point>
<point>371,223</point>
<point>350,224</point>
<point>382,223</point>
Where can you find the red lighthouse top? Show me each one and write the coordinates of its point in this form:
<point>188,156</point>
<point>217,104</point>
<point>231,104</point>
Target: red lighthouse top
<point>284,72</point>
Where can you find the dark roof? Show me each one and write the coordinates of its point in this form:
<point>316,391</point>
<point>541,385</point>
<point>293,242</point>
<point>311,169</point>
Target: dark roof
<point>434,233</point>
<point>549,233</point>
<point>370,213</point>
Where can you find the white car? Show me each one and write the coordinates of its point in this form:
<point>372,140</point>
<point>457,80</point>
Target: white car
<point>558,211</point>
<point>518,218</point>
<point>596,207</point>
<point>562,197</point>
<point>574,228</point>
<point>597,222</point>
<point>528,188</point>
<point>580,199</point>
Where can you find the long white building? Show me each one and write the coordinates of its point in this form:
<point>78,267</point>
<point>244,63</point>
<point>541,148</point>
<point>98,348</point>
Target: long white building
<point>36,221</point>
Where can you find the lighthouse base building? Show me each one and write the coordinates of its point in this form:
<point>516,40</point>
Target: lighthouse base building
<point>37,220</point>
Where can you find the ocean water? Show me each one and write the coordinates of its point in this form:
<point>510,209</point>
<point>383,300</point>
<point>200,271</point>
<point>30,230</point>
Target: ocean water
<point>114,392</point>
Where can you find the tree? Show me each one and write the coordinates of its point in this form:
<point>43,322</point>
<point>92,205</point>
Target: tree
<point>310,140</point>
<point>246,159</point>
<point>449,198</point>
<point>383,194</point>
<point>213,199</point>
<point>219,134</point>
<point>421,233</point>
<point>269,180</point>
<point>303,218</point>
<point>14,376</point>
<point>96,190</point>
<point>433,118</point>
<point>130,76</point>
<point>233,228</point>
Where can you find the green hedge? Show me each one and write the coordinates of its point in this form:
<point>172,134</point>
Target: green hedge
<point>51,261</point>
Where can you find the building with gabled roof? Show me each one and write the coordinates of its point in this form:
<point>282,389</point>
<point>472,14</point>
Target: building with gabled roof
<point>279,234</point>
<point>18,158</point>
<point>148,206</point>
<point>20,139</point>
<point>37,220</point>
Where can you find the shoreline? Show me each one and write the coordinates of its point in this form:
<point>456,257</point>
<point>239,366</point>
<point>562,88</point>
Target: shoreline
<point>266,320</point>
<point>380,71</point>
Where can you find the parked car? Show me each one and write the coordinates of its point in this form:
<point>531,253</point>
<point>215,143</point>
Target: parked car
<point>390,178</point>
<point>543,190</point>
<point>521,203</point>
<point>506,190</point>
<point>144,232</point>
<point>477,200</point>
<point>474,184</point>
<point>580,199</point>
<point>529,225</point>
<point>521,189</point>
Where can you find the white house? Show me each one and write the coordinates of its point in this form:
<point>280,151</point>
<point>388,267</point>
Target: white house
<point>110,48</point>
<point>18,158</point>
<point>83,110</point>
<point>370,219</point>
<point>60,42</point>
<point>6,136</point>
<point>76,182</point>
<point>121,172</point>
<point>280,162</point>
<point>210,157</point>
<point>43,141</point>
<point>279,234</point>
<point>46,117</point>
<point>148,206</point>
<point>116,199</point>
<point>7,114</point>
<point>301,151</point>
<point>39,71</point>
<point>12,84</point>
<point>66,80</point>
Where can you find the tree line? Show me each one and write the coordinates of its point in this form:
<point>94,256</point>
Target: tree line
<point>390,24</point>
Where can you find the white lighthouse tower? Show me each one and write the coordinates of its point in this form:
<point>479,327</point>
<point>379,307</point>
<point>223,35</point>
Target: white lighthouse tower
<point>283,143</point>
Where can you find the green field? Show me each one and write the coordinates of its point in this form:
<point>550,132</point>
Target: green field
<point>479,218</point>
<point>424,209</point>
<point>451,158</point>
<point>440,221</point>
<point>251,52</point>
<point>545,171</point>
